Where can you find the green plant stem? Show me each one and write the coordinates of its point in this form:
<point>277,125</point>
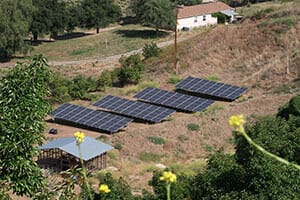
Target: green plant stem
<point>261,149</point>
<point>84,174</point>
<point>168,191</point>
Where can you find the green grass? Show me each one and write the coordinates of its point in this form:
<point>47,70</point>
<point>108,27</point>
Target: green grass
<point>193,127</point>
<point>136,88</point>
<point>174,79</point>
<point>107,43</point>
<point>213,78</point>
<point>156,140</point>
<point>150,157</point>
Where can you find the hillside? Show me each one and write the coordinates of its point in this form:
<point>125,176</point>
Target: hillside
<point>261,53</point>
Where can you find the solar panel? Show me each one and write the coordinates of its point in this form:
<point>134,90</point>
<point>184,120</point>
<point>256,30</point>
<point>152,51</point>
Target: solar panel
<point>211,88</point>
<point>138,110</point>
<point>91,118</point>
<point>173,99</point>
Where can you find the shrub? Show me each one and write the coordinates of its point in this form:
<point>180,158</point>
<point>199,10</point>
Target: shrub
<point>132,69</point>
<point>118,146</point>
<point>105,80</point>
<point>59,88</point>
<point>291,108</point>
<point>156,140</point>
<point>119,188</point>
<point>193,127</point>
<point>80,86</point>
<point>222,18</point>
<point>174,79</point>
<point>212,78</point>
<point>151,50</point>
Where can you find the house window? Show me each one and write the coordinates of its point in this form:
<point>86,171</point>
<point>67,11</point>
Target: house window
<point>195,20</point>
<point>204,17</point>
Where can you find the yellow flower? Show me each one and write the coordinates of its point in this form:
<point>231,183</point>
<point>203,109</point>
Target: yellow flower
<point>103,188</point>
<point>79,136</point>
<point>169,177</point>
<point>237,121</point>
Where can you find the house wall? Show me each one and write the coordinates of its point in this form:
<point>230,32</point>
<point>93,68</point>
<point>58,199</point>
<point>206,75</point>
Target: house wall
<point>196,21</point>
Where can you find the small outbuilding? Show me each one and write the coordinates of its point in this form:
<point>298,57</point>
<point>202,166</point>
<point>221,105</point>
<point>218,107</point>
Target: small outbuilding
<point>63,153</point>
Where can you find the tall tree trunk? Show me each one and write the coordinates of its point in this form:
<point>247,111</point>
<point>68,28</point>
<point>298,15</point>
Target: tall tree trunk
<point>97,30</point>
<point>35,37</point>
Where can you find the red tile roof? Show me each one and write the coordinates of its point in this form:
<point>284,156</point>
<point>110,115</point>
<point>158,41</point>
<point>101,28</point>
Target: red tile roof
<point>201,9</point>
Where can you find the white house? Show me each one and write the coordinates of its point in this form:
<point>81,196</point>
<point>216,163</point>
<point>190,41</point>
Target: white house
<point>201,15</point>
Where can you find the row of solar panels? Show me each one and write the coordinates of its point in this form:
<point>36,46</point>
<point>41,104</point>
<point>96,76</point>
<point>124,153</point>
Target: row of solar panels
<point>171,101</point>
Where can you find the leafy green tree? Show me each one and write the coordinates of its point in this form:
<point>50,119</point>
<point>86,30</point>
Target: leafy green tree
<point>159,14</point>
<point>99,13</point>
<point>249,174</point>
<point>49,17</point>
<point>15,18</point>
<point>105,80</point>
<point>22,110</point>
<point>151,50</point>
<point>187,2</point>
<point>132,69</point>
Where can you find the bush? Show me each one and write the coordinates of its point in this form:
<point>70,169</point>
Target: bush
<point>193,127</point>
<point>291,108</point>
<point>151,50</point>
<point>105,80</point>
<point>118,146</point>
<point>179,190</point>
<point>222,18</point>
<point>80,86</point>
<point>59,88</point>
<point>156,140</point>
<point>120,189</point>
<point>132,69</point>
<point>174,79</point>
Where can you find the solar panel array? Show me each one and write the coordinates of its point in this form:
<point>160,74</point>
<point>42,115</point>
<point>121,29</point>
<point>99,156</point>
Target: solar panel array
<point>211,88</point>
<point>173,99</point>
<point>134,109</point>
<point>91,118</point>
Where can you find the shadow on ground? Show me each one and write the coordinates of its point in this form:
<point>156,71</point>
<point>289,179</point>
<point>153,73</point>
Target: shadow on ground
<point>145,34</point>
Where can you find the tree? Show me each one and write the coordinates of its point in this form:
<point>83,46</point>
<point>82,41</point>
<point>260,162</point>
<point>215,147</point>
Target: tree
<point>249,174</point>
<point>187,2</point>
<point>159,14</point>
<point>15,18</point>
<point>48,17</point>
<point>22,110</point>
<point>99,13</point>
<point>132,69</point>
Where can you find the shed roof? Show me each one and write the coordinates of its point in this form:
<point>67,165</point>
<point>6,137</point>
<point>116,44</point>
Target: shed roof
<point>201,9</point>
<point>90,147</point>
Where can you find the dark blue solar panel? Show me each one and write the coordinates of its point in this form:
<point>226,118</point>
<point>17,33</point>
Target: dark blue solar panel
<point>173,99</point>
<point>134,109</point>
<point>90,118</point>
<point>211,88</point>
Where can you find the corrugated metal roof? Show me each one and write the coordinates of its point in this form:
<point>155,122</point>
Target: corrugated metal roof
<point>202,9</point>
<point>229,12</point>
<point>90,147</point>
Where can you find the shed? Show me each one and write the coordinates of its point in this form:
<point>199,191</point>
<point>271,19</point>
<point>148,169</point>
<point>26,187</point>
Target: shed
<point>63,153</point>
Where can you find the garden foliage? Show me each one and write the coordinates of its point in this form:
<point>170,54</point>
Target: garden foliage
<point>22,110</point>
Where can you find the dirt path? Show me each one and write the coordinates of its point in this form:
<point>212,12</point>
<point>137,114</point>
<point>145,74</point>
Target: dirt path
<point>109,59</point>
